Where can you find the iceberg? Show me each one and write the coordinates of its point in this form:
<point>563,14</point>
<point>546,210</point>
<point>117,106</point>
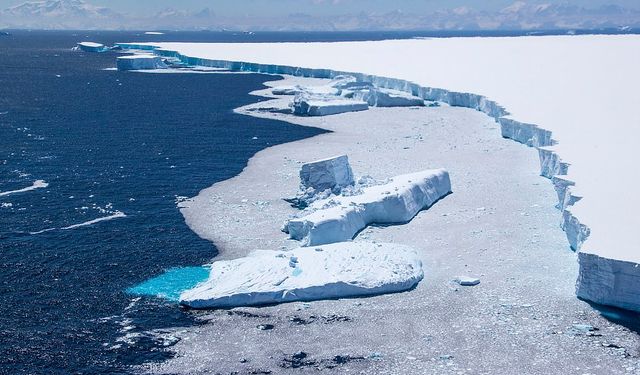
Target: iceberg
<point>140,62</point>
<point>92,47</point>
<point>350,269</point>
<point>307,105</point>
<point>340,218</point>
<point>331,173</point>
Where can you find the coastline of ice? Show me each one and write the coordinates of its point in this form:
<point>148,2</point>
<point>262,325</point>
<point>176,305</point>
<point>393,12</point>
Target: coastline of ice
<point>349,269</point>
<point>567,63</point>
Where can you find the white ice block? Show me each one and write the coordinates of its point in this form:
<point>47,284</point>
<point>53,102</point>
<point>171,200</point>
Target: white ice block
<point>349,269</point>
<point>395,202</point>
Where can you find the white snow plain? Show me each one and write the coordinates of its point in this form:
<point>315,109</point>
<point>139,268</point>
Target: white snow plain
<point>340,218</point>
<point>340,270</point>
<point>583,89</point>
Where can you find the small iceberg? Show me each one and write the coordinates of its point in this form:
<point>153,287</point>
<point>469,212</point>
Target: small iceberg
<point>308,105</point>
<point>153,33</point>
<point>348,269</point>
<point>172,283</point>
<point>92,47</point>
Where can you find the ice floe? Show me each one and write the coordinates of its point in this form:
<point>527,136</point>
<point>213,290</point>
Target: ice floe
<point>340,270</point>
<point>340,218</point>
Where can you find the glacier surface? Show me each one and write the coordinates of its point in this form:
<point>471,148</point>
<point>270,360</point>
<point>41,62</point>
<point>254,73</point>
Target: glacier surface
<point>349,269</point>
<point>340,218</point>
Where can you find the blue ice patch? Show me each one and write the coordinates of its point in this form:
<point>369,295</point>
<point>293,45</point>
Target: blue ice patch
<point>172,283</point>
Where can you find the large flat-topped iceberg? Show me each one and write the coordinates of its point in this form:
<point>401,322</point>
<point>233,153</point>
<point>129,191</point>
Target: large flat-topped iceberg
<point>349,269</point>
<point>581,88</point>
<point>340,218</point>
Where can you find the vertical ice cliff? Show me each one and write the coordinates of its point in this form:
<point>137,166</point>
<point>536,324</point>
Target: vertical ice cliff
<point>332,173</point>
<point>140,62</point>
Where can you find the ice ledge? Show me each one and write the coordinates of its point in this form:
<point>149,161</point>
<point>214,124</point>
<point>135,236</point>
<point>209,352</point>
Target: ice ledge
<point>349,269</point>
<point>550,162</point>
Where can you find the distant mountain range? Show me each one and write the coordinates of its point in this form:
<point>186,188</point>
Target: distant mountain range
<point>78,14</point>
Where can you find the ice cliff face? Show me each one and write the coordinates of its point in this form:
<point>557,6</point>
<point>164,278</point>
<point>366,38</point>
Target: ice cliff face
<point>140,62</point>
<point>331,173</point>
<point>338,219</point>
<point>349,269</point>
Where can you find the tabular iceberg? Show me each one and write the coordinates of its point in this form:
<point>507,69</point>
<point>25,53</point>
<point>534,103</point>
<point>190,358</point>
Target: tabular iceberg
<point>340,270</point>
<point>308,105</point>
<point>140,62</point>
<point>341,218</point>
<point>92,47</point>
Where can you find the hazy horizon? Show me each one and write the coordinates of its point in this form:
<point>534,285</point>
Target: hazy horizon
<point>319,15</point>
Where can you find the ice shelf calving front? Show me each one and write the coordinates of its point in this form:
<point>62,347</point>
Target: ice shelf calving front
<point>340,218</point>
<point>315,105</point>
<point>332,173</point>
<point>140,62</point>
<point>341,270</point>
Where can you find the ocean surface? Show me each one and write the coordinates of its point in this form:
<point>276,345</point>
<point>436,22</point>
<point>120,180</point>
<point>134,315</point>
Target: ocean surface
<point>92,163</point>
<point>116,150</point>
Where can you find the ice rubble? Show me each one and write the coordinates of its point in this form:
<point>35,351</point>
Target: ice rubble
<point>343,93</point>
<point>140,62</point>
<point>349,269</point>
<point>554,81</point>
<point>340,218</point>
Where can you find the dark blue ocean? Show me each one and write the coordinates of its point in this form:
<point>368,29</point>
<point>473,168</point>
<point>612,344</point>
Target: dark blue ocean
<point>112,145</point>
<point>106,142</point>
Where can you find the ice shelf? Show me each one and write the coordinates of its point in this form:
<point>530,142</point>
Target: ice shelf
<point>350,269</point>
<point>550,83</point>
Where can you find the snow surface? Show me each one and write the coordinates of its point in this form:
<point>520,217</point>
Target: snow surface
<point>581,88</point>
<point>305,274</point>
<point>340,218</point>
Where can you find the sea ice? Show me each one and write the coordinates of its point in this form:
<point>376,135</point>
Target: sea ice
<point>349,269</point>
<point>140,62</point>
<point>340,218</point>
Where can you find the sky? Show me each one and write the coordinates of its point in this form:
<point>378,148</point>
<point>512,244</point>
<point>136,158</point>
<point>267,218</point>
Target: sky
<point>320,7</point>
